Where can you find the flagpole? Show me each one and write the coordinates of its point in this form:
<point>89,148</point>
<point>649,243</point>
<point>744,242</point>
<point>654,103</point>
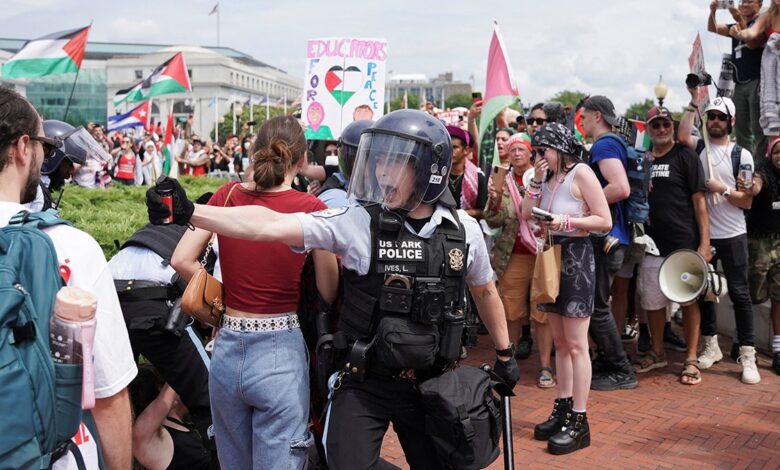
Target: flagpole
<point>217,24</point>
<point>285,103</point>
<point>216,119</point>
<point>70,98</point>
<point>251,114</point>
<point>267,107</point>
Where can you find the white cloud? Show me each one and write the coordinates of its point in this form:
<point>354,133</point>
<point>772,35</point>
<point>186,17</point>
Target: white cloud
<point>134,29</point>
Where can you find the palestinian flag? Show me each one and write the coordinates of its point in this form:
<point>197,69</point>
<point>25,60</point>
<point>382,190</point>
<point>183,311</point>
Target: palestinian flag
<point>500,88</point>
<point>57,53</point>
<point>642,139</point>
<point>167,163</point>
<point>170,77</point>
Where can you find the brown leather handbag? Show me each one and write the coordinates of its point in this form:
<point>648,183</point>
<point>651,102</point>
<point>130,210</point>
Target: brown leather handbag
<point>202,299</point>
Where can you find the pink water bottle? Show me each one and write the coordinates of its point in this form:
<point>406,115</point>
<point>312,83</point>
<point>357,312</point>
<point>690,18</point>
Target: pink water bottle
<point>71,334</point>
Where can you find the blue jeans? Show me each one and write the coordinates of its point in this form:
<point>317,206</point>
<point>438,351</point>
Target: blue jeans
<point>259,388</point>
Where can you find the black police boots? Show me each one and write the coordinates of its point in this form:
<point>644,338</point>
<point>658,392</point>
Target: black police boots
<point>554,423</point>
<point>575,435</point>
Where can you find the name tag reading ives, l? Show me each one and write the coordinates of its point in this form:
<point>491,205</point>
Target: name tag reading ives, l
<point>400,257</point>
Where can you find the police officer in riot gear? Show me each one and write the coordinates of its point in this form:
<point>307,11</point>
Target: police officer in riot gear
<point>76,146</point>
<point>408,256</point>
<point>333,192</point>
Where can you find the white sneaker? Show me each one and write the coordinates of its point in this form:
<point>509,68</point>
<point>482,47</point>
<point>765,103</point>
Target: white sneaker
<point>711,353</point>
<point>747,358</point>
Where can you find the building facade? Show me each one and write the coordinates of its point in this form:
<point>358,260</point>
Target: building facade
<point>222,79</point>
<point>436,90</point>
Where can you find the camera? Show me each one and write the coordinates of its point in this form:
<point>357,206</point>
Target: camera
<point>694,80</point>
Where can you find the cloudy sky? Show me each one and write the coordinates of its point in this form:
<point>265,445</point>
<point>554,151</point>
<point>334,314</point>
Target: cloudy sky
<point>612,47</point>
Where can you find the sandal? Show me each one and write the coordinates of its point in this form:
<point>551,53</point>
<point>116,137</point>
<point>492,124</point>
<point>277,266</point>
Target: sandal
<point>649,362</point>
<point>691,375</point>
<point>546,378</point>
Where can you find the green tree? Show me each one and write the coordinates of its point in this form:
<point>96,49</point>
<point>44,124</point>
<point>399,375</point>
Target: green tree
<point>458,100</point>
<point>568,97</point>
<point>259,112</point>
<point>398,103</point>
<point>639,109</point>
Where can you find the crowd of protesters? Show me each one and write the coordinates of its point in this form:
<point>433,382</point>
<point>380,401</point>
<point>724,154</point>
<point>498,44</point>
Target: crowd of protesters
<point>698,200</point>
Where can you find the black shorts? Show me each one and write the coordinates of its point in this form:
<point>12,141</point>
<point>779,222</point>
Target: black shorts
<point>578,279</point>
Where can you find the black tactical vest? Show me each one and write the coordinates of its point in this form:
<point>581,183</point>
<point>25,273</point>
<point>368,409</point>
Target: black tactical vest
<point>333,182</point>
<point>162,239</point>
<point>424,279</point>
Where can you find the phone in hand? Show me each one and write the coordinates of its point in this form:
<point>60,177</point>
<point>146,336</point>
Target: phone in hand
<point>541,214</point>
<point>476,97</point>
<point>725,4</point>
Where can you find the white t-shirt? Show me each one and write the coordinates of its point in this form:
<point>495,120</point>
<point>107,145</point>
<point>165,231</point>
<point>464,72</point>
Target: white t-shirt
<point>114,365</point>
<point>726,219</point>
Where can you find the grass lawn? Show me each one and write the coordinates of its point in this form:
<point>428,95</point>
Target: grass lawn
<point>115,213</point>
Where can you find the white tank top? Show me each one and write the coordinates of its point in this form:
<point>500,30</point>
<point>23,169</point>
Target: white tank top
<point>561,200</point>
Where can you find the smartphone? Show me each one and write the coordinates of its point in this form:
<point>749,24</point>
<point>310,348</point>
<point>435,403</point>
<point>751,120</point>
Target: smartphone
<point>476,96</point>
<point>725,4</point>
<point>746,173</point>
<point>251,123</point>
<point>541,214</point>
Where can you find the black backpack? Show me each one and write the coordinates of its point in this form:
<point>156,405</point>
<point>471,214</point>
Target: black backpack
<point>639,165</point>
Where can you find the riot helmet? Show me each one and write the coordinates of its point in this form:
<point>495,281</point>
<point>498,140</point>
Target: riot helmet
<point>348,145</point>
<point>403,160</point>
<point>77,145</point>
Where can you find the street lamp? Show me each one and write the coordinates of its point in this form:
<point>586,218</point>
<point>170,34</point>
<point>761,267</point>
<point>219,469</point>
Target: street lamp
<point>661,90</point>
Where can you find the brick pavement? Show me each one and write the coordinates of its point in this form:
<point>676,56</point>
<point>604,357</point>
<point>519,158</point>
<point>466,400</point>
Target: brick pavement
<point>662,424</point>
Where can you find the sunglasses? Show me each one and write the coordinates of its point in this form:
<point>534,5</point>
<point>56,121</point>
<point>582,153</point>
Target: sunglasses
<point>539,152</point>
<point>659,124</point>
<point>49,145</point>
<point>717,116</point>
<point>537,121</point>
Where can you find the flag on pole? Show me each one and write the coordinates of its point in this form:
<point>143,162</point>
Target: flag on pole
<point>214,10</point>
<point>642,139</point>
<point>500,87</point>
<point>60,52</point>
<point>170,77</point>
<point>167,143</point>
<point>136,117</point>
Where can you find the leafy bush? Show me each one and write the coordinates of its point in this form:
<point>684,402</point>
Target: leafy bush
<point>117,212</point>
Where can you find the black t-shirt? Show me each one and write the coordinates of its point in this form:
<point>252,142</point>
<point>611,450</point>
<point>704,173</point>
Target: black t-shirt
<point>456,187</point>
<point>747,61</point>
<point>675,178</point>
<point>764,216</point>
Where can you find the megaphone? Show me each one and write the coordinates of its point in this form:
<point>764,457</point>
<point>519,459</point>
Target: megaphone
<point>685,276</point>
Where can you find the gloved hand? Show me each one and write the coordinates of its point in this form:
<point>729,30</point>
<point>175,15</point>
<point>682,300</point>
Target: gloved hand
<point>508,371</point>
<point>158,210</point>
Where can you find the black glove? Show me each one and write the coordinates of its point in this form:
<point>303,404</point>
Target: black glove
<point>158,210</point>
<point>508,371</point>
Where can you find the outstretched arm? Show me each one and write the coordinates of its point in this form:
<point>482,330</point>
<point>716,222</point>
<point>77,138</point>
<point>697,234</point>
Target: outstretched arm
<point>254,223</point>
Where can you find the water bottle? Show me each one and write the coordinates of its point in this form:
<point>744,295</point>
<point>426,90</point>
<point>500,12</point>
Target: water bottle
<point>71,335</point>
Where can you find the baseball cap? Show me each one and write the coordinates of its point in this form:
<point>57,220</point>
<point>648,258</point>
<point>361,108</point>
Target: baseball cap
<point>657,112</point>
<point>456,131</point>
<point>722,104</point>
<point>603,105</point>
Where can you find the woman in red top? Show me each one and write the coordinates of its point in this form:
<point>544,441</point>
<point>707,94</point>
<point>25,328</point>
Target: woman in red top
<point>259,380</point>
<point>125,163</point>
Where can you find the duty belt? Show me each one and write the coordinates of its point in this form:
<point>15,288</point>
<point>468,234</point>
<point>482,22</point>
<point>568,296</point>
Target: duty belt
<point>131,290</point>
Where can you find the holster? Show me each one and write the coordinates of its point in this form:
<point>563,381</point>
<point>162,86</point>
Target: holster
<point>356,362</point>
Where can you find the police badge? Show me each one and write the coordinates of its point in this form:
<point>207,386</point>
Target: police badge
<point>456,259</point>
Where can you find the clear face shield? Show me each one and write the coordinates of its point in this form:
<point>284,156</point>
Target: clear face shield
<point>81,145</point>
<point>386,172</point>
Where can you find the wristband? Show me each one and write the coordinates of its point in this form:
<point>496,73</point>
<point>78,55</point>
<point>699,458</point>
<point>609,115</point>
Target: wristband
<point>534,194</point>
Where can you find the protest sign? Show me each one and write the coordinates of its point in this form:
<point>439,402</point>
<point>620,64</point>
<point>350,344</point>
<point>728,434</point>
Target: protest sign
<point>696,65</point>
<point>344,81</point>
<point>449,118</point>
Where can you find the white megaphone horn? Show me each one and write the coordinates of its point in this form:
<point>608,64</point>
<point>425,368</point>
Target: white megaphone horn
<point>685,276</point>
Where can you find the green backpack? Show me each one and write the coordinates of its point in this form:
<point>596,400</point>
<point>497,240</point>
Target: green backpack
<point>40,407</point>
